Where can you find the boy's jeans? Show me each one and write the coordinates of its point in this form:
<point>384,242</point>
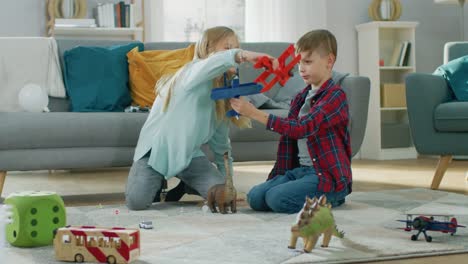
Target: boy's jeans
<point>286,193</point>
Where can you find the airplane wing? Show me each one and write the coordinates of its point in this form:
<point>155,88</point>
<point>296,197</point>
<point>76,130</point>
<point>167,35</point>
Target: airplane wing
<point>429,215</point>
<point>450,224</point>
<point>406,221</point>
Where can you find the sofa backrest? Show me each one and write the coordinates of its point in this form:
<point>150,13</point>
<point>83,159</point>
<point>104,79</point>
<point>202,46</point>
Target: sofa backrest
<point>357,89</point>
<point>454,50</point>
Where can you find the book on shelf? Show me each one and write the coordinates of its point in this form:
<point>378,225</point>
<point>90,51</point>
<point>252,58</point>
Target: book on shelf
<point>404,56</point>
<point>119,15</point>
<point>401,54</point>
<point>407,54</point>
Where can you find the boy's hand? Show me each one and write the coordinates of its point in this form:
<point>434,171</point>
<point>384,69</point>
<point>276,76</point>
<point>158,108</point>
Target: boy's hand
<point>243,107</point>
<point>247,109</point>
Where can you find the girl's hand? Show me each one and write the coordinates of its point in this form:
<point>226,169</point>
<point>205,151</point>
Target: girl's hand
<point>243,107</point>
<point>253,57</point>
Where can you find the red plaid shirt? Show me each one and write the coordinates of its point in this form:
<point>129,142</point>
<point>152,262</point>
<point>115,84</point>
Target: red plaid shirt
<point>326,130</point>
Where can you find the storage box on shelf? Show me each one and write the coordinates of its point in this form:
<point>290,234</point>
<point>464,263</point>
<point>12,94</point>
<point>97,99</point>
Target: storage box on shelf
<point>392,95</point>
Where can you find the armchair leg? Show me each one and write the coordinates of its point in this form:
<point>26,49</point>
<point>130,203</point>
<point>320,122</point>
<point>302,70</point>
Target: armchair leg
<point>444,162</point>
<point>2,181</point>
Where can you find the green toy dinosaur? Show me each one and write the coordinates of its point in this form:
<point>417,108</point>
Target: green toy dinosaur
<point>314,219</point>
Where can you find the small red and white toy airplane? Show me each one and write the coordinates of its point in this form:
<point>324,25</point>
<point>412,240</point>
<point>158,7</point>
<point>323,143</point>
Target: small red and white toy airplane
<point>423,223</point>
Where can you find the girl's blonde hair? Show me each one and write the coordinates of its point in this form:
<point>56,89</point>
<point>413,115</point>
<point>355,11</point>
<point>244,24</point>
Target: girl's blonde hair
<point>203,49</point>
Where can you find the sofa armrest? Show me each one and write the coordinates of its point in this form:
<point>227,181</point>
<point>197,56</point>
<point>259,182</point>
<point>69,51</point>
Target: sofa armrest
<point>357,89</point>
<point>455,50</point>
<point>424,92</point>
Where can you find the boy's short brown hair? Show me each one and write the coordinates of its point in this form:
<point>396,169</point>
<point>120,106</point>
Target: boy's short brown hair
<point>321,40</point>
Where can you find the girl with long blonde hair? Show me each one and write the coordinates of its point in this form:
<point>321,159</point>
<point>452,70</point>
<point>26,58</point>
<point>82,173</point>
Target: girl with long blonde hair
<point>183,118</point>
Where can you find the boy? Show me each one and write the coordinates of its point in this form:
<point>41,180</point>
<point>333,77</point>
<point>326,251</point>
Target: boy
<point>314,153</point>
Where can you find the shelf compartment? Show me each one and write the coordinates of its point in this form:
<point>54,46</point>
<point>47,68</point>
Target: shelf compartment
<point>396,135</point>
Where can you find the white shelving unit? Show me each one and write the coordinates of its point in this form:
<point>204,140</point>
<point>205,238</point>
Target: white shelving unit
<point>108,33</point>
<point>387,132</point>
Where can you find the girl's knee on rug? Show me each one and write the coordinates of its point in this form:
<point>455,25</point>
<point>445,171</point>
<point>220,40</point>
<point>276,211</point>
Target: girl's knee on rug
<point>138,201</point>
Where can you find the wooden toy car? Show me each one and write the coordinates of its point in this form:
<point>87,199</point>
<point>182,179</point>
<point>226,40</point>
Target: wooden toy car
<point>97,244</point>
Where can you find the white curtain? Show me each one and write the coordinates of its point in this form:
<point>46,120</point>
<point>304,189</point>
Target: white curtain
<point>183,20</point>
<point>282,20</point>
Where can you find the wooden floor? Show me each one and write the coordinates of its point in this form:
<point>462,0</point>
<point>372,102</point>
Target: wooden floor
<point>369,175</point>
<point>88,187</point>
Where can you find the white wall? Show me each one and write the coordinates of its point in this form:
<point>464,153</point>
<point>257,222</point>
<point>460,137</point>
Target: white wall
<point>342,17</point>
<point>21,18</point>
<point>438,24</point>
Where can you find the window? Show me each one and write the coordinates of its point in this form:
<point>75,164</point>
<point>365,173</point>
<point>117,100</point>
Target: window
<point>66,239</point>
<point>92,241</point>
<point>114,242</point>
<point>79,240</point>
<point>103,241</point>
<point>186,20</point>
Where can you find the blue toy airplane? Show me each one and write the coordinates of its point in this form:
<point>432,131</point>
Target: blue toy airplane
<point>234,91</point>
<point>423,223</point>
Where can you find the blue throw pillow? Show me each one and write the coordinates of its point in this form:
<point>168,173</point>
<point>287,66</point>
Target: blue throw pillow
<point>96,78</point>
<point>456,74</point>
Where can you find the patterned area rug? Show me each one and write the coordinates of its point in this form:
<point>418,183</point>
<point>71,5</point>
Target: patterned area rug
<point>184,233</point>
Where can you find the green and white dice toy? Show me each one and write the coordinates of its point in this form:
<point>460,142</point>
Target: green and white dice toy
<point>35,216</point>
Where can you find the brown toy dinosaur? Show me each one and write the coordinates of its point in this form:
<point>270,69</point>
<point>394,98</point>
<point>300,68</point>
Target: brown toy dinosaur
<point>314,219</point>
<point>223,195</point>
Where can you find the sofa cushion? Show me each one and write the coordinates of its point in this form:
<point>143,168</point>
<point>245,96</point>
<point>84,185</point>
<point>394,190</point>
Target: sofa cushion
<point>96,78</point>
<point>67,129</point>
<point>147,67</point>
<point>451,117</point>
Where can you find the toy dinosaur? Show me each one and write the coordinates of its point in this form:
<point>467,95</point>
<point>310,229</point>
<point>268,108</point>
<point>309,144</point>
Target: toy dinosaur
<point>223,195</point>
<point>314,219</point>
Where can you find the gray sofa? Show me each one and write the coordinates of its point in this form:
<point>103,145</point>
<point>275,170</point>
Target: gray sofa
<point>439,124</point>
<point>69,140</point>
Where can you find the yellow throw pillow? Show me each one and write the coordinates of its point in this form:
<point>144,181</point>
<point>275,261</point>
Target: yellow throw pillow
<point>147,67</point>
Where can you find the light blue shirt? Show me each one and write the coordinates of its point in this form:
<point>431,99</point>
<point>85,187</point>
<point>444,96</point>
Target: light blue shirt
<point>176,135</point>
